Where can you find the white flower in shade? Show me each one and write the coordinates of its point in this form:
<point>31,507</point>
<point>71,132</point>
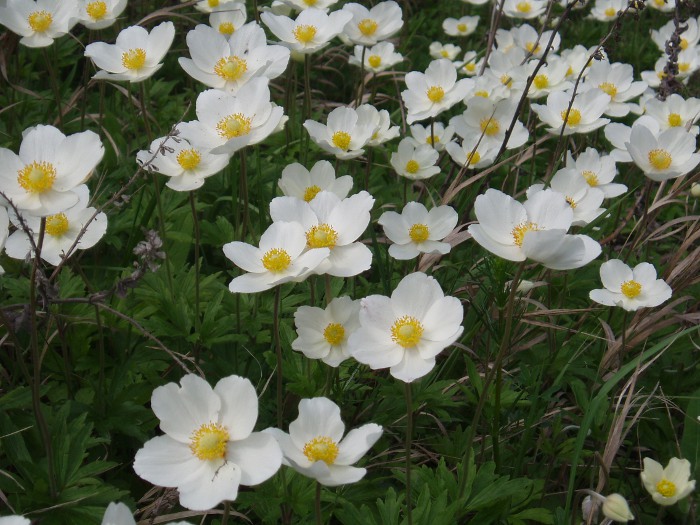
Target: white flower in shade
<point>629,288</point>
<point>436,135</point>
<point>616,508</point>
<point>120,514</point>
<point>300,5</point>
<point>209,447</point>
<point>186,165</point>
<point>670,484</point>
<point>407,330</point>
<point>347,131</point>
<point>312,30</point>
<point>528,39</point>
<point>229,122</point>
<point>228,63</point>
<point>475,2</point>
<point>607,10</point>
<point>688,63</point>
<point>98,14</point>
<point>674,112</point>
<point>367,27</point>
<point>135,56</point>
<point>654,78</point>
<point>550,77</point>
<point>413,161</point>
<point>280,258</point>
<point>463,26</point>
<point>39,22</point>
<point>489,120</point>
<point>665,6</point>
<point>490,87</point>
<point>535,230</point>
<point>4,231</point>
<point>14,520</point>
<point>61,231</point>
<point>524,9</point>
<point>583,117</point>
<point>473,152</point>
<point>617,80</point>
<point>41,180</point>
<point>597,170</point>
<point>416,230</point>
<point>509,69</point>
<point>668,155</point>
<point>689,38</point>
<point>378,58</point>
<point>577,58</point>
<point>383,130</point>
<point>448,51</point>
<point>619,135</point>
<point>584,199</point>
<point>315,446</point>
<point>323,334</point>
<point>209,6</point>
<point>334,224</point>
<point>434,91</point>
<point>297,181</point>
<point>228,18</point>
<point>470,64</point>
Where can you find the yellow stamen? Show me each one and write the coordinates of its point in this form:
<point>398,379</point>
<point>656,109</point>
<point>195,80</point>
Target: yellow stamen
<point>374,61</point>
<point>631,289</point>
<point>235,125</point>
<point>473,158</point>
<point>506,80</point>
<point>609,88</point>
<point>471,67</point>
<point>521,229</point>
<point>432,140</point>
<point>591,178</point>
<point>188,159</point>
<point>675,120</point>
<point>40,21</point>
<point>444,53</point>
<point>573,119</point>
<point>541,81</point>
<point>666,488</point>
<point>57,225</point>
<point>412,166</point>
<point>96,10</point>
<point>610,12</point>
<point>571,202</point>
<point>209,441</point>
<point>489,126</point>
<point>406,331</point>
<point>321,448</point>
<point>134,58</point>
<point>226,28</point>
<point>530,46</point>
<point>523,7</point>
<point>213,3</point>
<point>310,3</point>
<point>419,232</point>
<point>660,159</point>
<point>334,333</point>
<point>683,67</point>
<point>321,236</point>
<point>462,28</point>
<point>481,93</point>
<point>684,43</point>
<point>304,33</point>
<point>367,27</point>
<point>341,140</point>
<point>276,260</point>
<point>435,93</point>
<point>311,192</point>
<point>231,68</point>
<point>37,177</point>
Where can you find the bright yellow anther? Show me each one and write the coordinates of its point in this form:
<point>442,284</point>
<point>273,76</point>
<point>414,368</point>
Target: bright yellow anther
<point>134,58</point>
<point>231,68</point>
<point>660,159</point>
<point>189,159</point>
<point>591,177</point>
<point>406,331</point>
<point>40,21</point>
<point>367,27</point>
<point>610,12</point>
<point>276,260</point>
<point>37,177</point>
<point>412,166</point>
<point>321,448</point>
<point>311,192</point>
<point>675,120</point>
<point>609,88</point>
<point>435,93</point>
<point>304,33</point>
<point>631,289</point>
<point>334,333</point>
<point>419,232</point>
<point>235,125</point>
<point>57,225</point>
<point>374,61</point>
<point>573,119</point>
<point>489,126</point>
<point>341,140</point>
<point>321,236</point>
<point>96,10</point>
<point>521,229</point>
<point>209,441</point>
<point>666,488</point>
<point>462,28</point>
<point>541,81</point>
<point>523,7</point>
<point>226,28</point>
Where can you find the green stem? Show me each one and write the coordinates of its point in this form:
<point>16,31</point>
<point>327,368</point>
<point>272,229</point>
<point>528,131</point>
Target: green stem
<point>319,516</point>
<point>227,512</point>
<point>362,77</point>
<point>54,84</point>
<point>195,220</point>
<point>409,438</point>
<point>144,113</point>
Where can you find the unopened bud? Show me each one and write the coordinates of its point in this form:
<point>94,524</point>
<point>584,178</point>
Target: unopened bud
<point>615,507</point>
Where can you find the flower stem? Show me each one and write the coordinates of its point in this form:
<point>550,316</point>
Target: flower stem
<point>195,220</point>
<point>227,512</point>
<point>409,438</point>
<point>362,77</point>
<point>319,516</point>
<point>144,113</point>
<point>54,84</point>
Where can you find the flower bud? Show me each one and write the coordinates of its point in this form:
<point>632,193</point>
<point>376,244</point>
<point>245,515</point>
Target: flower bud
<point>615,507</point>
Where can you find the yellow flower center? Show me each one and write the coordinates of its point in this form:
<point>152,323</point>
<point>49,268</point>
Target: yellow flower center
<point>56,225</point>
<point>684,43</point>
<point>591,177</point>
<point>661,75</point>
<point>231,68</point>
<point>506,80</point>
<point>609,88</point>
<point>471,66</point>
<point>435,93</point>
<point>189,159</point>
<point>40,21</point>
<point>569,71</point>
<point>406,331</point>
<point>659,3</point>
<point>489,126</point>
<point>523,7</point>
<point>304,33</point>
<point>571,202</point>
<point>473,158</point>
<point>367,27</point>
<point>412,166</point>
<point>213,3</point>
<point>660,159</point>
<point>683,67</point>
<point>209,441</point>
<point>610,12</point>
<point>521,229</point>
<point>276,260</point>
<point>573,119</point>
<point>666,488</point>
<point>419,232</point>
<point>226,28</point>
<point>374,61</point>
<point>444,53</point>
<point>631,289</point>
<point>310,3</point>
<point>432,140</point>
<point>462,28</point>
<point>37,177</point>
<point>134,58</point>
<point>675,120</point>
<point>481,93</point>
<point>530,46</point>
<point>235,125</point>
<point>321,448</point>
<point>311,192</point>
<point>541,81</point>
<point>321,236</point>
<point>341,139</point>
<point>334,333</point>
<point>96,10</point>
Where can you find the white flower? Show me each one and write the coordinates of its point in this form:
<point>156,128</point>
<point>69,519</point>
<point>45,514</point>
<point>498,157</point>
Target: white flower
<point>665,6</point>
<point>209,447</point>
<point>346,133</point>
<point>135,56</point>
<point>619,135</point>
<point>367,27</point>
<point>529,40</point>
<point>297,181</point>
<point>615,508</point>
<point>597,170</point>
<point>489,120</point>
<point>228,63</point>
<point>629,288</point>
<point>228,18</point>
<point>300,5</point>
<point>668,155</point>
<point>688,62</point>
<point>383,130</point>
<point>607,10</point>
<point>617,80</point>
<point>583,117</point>
<point>550,77</point>
<point>413,161</point>
<point>674,112</point>
<point>39,22</point>
<point>280,258</point>
<point>41,180</point>
<point>377,58</point>
<point>315,446</point>
<point>417,230</point>
<point>312,30</point>
<point>434,91</point>
<point>470,64</point>
<point>448,51</point>
<point>61,231</point>
<point>584,199</point>
<point>14,520</point>
<point>436,135</point>
<point>333,224</point>
<point>509,69</point>
<point>209,6</point>
<point>689,38</point>
<point>463,26</point>
<point>186,165</point>
<point>577,58</point>
<point>323,334</point>
<point>474,152</point>
<point>98,14</point>
<point>407,330</point>
<point>536,230</point>
<point>670,484</point>
<point>524,9</point>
